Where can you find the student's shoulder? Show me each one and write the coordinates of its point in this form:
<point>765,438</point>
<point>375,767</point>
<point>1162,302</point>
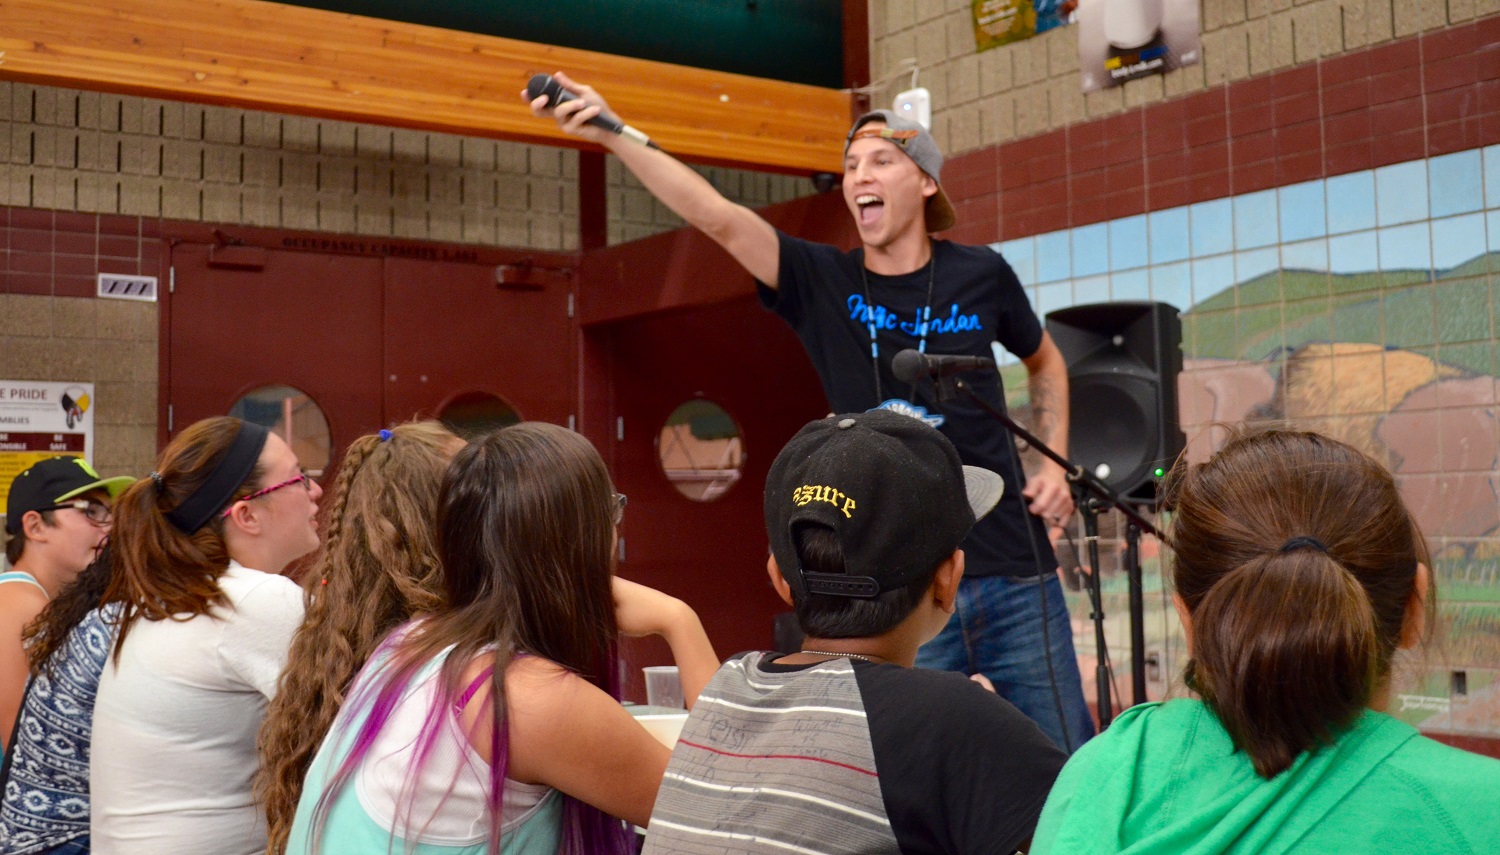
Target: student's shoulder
<point>21,600</point>
<point>930,694</point>
<point>1452,776</point>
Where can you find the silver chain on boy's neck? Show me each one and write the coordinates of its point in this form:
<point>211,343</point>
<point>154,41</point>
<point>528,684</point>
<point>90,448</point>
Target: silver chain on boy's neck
<point>875,660</point>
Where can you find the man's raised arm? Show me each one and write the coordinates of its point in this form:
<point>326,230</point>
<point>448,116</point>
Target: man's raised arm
<point>742,232</point>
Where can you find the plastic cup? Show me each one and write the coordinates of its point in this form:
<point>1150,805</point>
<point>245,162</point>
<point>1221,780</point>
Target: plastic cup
<point>663,686</point>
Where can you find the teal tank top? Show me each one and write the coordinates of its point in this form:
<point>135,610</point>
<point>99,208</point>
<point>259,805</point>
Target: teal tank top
<point>447,813</point>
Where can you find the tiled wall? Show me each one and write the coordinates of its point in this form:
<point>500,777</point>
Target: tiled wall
<point>1365,306</point>
<point>67,150</point>
<point>1032,86</point>
<point>634,213</point>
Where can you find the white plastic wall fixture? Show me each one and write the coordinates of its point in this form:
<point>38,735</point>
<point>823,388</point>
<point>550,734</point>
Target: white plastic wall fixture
<point>915,104</point>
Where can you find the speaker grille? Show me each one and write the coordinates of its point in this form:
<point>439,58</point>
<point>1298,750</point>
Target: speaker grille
<point>1119,409</point>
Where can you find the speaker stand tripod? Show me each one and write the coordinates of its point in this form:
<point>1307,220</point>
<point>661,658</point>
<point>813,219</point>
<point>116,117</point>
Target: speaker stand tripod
<point>1093,496</point>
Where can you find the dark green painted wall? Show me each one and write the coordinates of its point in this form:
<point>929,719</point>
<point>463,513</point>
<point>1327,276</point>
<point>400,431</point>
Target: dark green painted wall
<point>800,41</point>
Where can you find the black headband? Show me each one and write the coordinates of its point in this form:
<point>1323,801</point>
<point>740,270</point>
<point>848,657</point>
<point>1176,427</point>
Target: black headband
<point>218,488</point>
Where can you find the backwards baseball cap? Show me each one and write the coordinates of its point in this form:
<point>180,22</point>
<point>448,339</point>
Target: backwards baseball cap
<point>917,144</point>
<point>890,487</point>
<point>53,481</point>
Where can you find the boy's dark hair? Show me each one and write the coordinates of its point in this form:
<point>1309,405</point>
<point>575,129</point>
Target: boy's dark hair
<point>827,616</point>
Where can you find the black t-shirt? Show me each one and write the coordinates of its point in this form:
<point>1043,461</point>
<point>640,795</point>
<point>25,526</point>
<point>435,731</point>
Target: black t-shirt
<point>976,300</point>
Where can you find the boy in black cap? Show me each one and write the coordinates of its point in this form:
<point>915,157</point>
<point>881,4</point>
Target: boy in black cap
<point>57,516</point>
<point>844,747</point>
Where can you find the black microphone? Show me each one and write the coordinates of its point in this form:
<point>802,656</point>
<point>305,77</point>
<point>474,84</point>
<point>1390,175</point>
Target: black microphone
<point>910,365</point>
<point>546,84</point>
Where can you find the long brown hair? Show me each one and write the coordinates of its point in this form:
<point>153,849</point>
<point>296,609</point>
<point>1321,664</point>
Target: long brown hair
<point>1297,560</point>
<point>48,632</point>
<point>378,568</point>
<point>159,572</point>
<point>525,535</point>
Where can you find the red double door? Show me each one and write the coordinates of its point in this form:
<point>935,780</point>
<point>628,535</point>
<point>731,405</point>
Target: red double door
<point>371,340</point>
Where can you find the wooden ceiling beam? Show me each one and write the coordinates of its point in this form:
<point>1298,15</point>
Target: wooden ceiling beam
<point>289,59</point>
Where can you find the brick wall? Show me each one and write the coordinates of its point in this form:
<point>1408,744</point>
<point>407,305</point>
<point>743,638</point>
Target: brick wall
<point>1032,86</point>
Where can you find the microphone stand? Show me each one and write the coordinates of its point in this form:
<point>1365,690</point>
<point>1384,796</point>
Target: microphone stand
<point>1094,496</point>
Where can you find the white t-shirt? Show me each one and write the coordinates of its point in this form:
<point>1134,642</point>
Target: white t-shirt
<point>175,724</point>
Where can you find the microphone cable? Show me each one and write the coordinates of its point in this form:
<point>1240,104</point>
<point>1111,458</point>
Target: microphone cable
<point>1041,586</point>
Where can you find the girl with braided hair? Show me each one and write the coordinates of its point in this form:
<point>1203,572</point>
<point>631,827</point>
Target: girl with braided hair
<point>378,569</point>
<point>1299,573</point>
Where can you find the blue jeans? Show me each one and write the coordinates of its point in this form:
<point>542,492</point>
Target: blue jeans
<point>997,631</point>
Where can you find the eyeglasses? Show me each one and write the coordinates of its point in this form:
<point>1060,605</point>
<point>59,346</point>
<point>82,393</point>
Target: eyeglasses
<point>98,513</point>
<point>302,478</point>
<point>619,499</point>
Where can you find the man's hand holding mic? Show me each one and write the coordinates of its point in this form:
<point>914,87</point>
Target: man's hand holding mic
<point>578,109</point>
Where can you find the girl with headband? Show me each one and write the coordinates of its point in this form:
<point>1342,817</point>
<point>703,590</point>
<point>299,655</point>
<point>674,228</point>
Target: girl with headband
<point>493,723</point>
<point>205,619</point>
<point>1299,573</point>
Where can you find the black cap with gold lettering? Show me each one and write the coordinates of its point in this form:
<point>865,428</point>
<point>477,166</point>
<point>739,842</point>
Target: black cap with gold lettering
<point>892,489</point>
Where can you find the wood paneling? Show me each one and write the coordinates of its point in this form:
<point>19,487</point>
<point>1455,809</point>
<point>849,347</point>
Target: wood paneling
<point>288,59</point>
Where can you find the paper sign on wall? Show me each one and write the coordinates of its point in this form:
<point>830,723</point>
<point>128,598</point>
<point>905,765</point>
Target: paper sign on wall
<point>998,22</point>
<point>40,420</point>
<point>1121,40</point>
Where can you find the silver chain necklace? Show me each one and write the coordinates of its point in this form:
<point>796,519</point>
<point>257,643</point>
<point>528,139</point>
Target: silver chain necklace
<point>875,660</point>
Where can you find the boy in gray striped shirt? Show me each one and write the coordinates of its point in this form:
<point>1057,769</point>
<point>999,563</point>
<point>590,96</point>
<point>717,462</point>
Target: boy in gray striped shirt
<point>844,747</point>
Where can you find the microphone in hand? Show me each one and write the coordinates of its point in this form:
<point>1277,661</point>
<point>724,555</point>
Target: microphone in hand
<point>911,365</point>
<point>546,84</point>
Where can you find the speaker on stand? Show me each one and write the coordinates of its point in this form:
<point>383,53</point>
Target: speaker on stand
<point>1123,360</point>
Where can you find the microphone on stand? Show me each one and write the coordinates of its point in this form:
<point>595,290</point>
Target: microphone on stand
<point>911,365</point>
<point>546,84</point>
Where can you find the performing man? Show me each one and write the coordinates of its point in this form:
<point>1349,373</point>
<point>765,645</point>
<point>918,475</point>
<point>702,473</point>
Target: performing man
<point>853,311</point>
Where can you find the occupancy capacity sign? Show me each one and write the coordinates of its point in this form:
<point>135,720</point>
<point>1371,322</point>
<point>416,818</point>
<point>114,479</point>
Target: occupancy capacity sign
<point>40,420</point>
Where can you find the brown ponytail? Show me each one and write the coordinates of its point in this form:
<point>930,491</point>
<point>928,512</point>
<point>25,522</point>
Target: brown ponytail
<point>159,572</point>
<point>1296,559</point>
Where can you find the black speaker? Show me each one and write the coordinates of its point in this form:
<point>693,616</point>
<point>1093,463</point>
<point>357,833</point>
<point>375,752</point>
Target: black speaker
<point>1123,361</point>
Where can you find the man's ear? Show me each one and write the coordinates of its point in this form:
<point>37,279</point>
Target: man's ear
<point>945,581</point>
<point>929,186</point>
<point>778,582</point>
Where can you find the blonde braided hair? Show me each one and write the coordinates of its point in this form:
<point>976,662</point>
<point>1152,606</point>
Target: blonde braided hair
<point>377,569</point>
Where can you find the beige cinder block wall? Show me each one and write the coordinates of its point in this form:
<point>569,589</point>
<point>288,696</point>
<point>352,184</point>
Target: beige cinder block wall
<point>1032,86</point>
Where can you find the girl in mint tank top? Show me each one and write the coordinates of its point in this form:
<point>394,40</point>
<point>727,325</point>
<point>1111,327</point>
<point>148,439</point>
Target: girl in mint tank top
<point>493,724</point>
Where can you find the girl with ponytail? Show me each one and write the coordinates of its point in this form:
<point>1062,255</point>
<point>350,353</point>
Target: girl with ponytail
<point>492,723</point>
<point>204,622</point>
<point>1299,573</point>
<point>378,568</point>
